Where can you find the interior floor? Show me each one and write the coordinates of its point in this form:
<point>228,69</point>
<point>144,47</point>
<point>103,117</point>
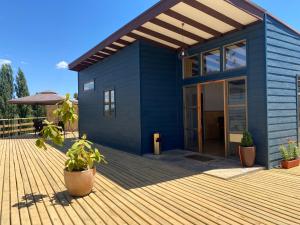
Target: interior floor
<point>214,147</point>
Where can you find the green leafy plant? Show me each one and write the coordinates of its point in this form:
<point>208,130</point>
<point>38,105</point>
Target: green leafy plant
<point>66,111</point>
<point>82,155</point>
<point>247,140</point>
<point>52,132</point>
<point>289,152</point>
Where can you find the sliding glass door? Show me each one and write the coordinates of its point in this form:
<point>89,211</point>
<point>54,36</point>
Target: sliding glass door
<point>191,118</point>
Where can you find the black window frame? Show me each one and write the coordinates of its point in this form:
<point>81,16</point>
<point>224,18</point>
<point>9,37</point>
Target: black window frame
<point>111,112</point>
<point>203,73</point>
<point>225,58</point>
<point>198,60</point>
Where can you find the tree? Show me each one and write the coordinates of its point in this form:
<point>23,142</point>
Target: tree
<point>7,92</point>
<point>75,96</point>
<point>21,89</point>
<point>38,111</point>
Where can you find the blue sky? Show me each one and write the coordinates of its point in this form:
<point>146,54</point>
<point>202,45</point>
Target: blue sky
<point>36,35</point>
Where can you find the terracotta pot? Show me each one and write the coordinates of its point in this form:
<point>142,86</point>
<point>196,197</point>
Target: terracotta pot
<point>247,156</point>
<point>290,164</point>
<point>79,183</point>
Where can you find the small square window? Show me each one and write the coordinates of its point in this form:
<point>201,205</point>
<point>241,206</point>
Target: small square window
<point>109,103</point>
<point>235,56</point>
<point>191,66</point>
<point>89,86</point>
<point>211,61</point>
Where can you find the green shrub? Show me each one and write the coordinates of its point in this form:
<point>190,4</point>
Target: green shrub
<point>289,152</point>
<point>247,140</point>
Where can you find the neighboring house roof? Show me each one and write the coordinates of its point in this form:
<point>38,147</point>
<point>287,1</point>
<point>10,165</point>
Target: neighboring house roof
<point>162,23</point>
<point>42,98</point>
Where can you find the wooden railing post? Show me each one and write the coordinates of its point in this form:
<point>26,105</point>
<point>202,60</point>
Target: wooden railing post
<point>2,123</point>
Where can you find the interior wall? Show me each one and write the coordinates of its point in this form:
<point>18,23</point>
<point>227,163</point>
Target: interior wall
<point>214,97</point>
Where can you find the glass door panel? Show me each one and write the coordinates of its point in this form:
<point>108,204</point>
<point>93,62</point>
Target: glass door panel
<point>237,113</point>
<point>191,118</point>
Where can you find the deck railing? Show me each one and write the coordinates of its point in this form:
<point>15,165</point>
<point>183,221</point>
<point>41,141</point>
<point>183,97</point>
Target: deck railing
<point>16,126</point>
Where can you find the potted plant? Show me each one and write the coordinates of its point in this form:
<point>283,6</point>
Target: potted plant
<point>79,169</point>
<point>247,150</point>
<point>290,155</point>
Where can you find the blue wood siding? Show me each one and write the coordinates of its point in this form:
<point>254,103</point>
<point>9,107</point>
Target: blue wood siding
<point>161,97</point>
<point>120,72</point>
<point>256,80</point>
<point>283,66</point>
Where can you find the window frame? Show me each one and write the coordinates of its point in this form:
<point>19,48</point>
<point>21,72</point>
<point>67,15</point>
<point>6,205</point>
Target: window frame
<point>244,105</point>
<point>224,56</point>
<point>202,62</point>
<point>183,66</point>
<point>111,112</point>
<point>87,82</point>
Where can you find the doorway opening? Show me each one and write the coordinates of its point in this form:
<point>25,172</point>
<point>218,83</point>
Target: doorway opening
<point>215,116</point>
<point>213,119</point>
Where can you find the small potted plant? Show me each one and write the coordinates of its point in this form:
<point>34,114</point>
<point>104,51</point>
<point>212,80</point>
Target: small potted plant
<point>247,150</point>
<point>290,155</point>
<point>79,169</point>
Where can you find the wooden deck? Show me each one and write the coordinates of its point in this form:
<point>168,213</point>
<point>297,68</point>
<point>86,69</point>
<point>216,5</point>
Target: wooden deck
<point>135,190</point>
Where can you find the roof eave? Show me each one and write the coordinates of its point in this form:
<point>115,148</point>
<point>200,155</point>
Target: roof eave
<point>161,7</point>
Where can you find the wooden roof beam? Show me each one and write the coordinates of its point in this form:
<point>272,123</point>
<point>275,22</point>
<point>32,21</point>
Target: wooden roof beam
<point>203,8</point>
<point>192,22</point>
<point>161,36</point>
<point>176,29</point>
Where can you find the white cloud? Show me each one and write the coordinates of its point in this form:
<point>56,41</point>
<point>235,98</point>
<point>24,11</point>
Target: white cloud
<point>62,65</point>
<point>24,63</point>
<point>5,61</point>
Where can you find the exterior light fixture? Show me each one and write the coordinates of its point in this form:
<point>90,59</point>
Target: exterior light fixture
<point>183,51</point>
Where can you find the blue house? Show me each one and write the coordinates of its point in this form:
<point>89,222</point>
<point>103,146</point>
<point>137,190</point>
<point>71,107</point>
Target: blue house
<point>199,72</point>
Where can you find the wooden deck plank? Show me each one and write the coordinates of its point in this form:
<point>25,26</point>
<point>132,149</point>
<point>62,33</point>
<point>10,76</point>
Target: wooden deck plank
<point>178,212</point>
<point>4,179</point>
<point>43,193</point>
<point>201,200</point>
<point>28,198</point>
<point>59,193</point>
<point>14,202</point>
<point>243,203</point>
<point>36,196</point>
<point>22,203</point>
<point>135,218</point>
<point>137,190</point>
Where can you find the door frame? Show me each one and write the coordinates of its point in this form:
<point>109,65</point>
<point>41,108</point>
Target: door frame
<point>226,119</point>
<point>200,128</point>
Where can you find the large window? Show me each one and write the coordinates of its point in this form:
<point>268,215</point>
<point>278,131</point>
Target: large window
<point>191,66</point>
<point>235,56</point>
<point>109,103</point>
<point>88,86</point>
<point>211,62</point>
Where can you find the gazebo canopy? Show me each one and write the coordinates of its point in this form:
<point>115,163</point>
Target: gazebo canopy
<point>42,98</point>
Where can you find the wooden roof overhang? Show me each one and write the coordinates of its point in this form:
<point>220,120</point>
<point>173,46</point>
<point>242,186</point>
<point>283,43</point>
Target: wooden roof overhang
<point>203,20</point>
